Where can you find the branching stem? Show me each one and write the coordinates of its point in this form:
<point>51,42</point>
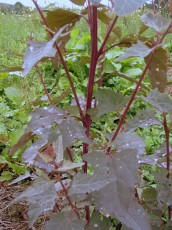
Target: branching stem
<point>61,58</point>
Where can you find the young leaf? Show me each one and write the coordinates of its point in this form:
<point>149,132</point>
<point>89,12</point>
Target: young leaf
<point>158,69</point>
<point>137,50</point>
<point>109,101</point>
<point>65,221</point>
<point>130,141</point>
<point>83,183</point>
<point>58,149</point>
<point>143,118</point>
<point>41,197</point>
<point>155,21</point>
<point>161,101</point>
<point>38,50</point>
<point>78,2</point>
<point>126,7</point>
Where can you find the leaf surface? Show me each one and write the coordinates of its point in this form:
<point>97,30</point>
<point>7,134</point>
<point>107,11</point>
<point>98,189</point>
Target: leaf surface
<point>137,50</point>
<point>41,197</point>
<point>68,165</point>
<point>38,50</point>
<point>117,199</point>
<point>98,222</point>
<point>43,118</point>
<point>71,130</point>
<point>109,101</point>
<point>158,69</point>
<point>127,7</point>
<point>143,118</point>
<point>155,21</point>
<point>130,141</point>
<point>161,101</point>
<point>83,183</point>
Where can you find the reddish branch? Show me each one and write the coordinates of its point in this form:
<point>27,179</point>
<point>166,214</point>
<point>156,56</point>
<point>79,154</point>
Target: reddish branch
<point>138,86</point>
<point>61,58</point>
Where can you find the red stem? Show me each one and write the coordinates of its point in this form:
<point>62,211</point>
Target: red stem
<point>69,200</point>
<point>167,136</point>
<point>43,83</point>
<point>107,36</point>
<point>117,44</point>
<point>93,63</point>
<point>61,58</point>
<point>137,87</point>
<point>132,97</point>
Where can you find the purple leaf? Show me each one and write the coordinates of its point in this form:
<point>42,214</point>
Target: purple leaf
<point>68,165</point>
<point>72,131</point>
<point>161,101</point>
<point>143,118</point>
<point>97,159</point>
<point>155,21</point>
<point>118,200</point>
<point>109,101</point>
<point>97,222</point>
<point>83,183</point>
<point>38,50</point>
<point>137,50</point>
<point>20,178</point>
<point>127,6</point>
<point>130,141</point>
<point>43,118</point>
<point>64,221</point>
<point>41,197</point>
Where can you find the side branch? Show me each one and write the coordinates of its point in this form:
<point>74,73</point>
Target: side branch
<point>61,58</point>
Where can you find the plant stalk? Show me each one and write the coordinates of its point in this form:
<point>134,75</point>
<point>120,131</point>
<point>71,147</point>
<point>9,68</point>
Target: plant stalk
<point>61,58</point>
<point>43,83</point>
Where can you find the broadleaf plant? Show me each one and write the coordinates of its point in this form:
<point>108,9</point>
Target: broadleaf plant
<point>103,168</point>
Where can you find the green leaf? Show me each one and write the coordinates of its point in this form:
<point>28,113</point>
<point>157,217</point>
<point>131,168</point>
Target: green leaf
<point>6,176</point>
<point>155,21</point>
<point>65,221</point>
<point>126,7</point>
<point>41,197</point>
<point>18,169</point>
<point>14,93</point>
<point>161,101</point>
<point>137,50</point>
<point>109,101</point>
